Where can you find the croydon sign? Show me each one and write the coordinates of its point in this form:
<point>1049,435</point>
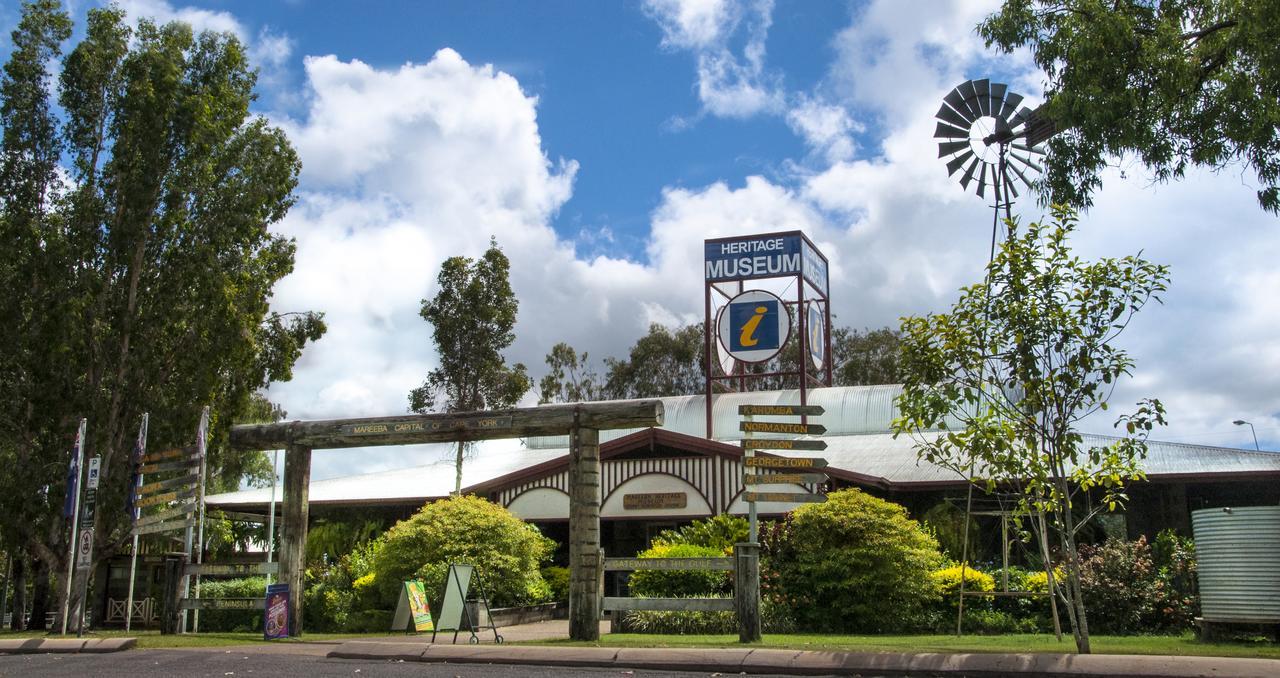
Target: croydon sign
<point>770,255</point>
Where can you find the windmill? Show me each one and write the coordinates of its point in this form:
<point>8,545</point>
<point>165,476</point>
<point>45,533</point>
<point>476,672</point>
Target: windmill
<point>988,136</point>
<point>991,141</point>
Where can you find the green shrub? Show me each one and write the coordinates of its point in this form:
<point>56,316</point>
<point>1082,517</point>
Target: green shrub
<point>679,583</point>
<point>232,620</point>
<point>987,621</point>
<point>717,532</point>
<point>557,579</point>
<point>947,581</point>
<point>1175,561</point>
<point>506,551</point>
<point>339,589</point>
<point>855,563</point>
<point>773,619</point>
<point>1125,592</point>
<point>946,522</point>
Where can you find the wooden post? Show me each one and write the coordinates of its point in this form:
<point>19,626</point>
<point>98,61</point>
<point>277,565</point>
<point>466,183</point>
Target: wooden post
<point>171,595</point>
<point>293,533</point>
<point>584,534</point>
<point>746,590</point>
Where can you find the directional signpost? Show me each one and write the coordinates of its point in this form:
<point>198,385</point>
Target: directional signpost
<point>760,472</point>
<point>754,477</point>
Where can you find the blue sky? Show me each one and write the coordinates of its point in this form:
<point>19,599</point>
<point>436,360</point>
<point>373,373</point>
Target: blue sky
<point>601,142</point>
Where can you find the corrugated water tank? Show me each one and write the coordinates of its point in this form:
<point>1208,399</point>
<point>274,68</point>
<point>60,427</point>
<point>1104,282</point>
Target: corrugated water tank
<point>1238,563</point>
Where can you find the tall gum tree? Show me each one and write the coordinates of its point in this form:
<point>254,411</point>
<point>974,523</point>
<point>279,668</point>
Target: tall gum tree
<point>996,388</point>
<point>473,317</point>
<point>138,272</point>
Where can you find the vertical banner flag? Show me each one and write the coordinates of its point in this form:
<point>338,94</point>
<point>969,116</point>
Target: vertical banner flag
<point>135,468</point>
<point>73,478</point>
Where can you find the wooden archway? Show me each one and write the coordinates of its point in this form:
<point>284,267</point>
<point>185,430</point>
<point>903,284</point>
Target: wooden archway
<point>582,422</point>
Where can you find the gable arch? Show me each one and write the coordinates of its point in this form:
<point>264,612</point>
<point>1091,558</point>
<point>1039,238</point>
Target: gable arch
<point>696,505</point>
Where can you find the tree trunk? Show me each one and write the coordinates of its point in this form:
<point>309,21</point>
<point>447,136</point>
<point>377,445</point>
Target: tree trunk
<point>19,622</point>
<point>1080,623</point>
<point>40,597</point>
<point>457,485</point>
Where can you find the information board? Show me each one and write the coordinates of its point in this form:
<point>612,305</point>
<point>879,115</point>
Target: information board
<point>275,620</point>
<point>413,608</point>
<point>457,584</point>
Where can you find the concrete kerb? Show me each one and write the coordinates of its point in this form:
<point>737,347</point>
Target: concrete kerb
<point>530,655</point>
<point>797,662</point>
<point>66,645</point>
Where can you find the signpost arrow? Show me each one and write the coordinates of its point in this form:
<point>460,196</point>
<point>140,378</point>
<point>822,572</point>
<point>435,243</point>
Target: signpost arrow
<point>790,497</point>
<point>780,478</point>
<point>771,444</point>
<point>779,427</point>
<point>781,410</point>
<point>785,462</point>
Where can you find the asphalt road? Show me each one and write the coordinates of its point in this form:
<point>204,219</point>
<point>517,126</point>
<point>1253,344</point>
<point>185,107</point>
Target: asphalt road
<point>222,664</point>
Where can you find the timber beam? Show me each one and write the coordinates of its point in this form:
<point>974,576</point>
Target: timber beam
<point>414,429</point>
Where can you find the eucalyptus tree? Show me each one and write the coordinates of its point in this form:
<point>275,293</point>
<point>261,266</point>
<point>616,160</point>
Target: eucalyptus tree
<point>473,317</point>
<point>138,259</point>
<point>569,378</point>
<point>1018,362</point>
<point>1178,83</point>
<point>661,363</point>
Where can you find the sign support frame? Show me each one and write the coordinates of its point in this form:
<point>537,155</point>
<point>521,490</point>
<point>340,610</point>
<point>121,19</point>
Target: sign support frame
<point>812,267</point>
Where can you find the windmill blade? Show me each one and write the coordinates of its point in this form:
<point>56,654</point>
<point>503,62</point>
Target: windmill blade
<point>982,181</point>
<point>1011,101</point>
<point>998,90</point>
<point>955,99</point>
<point>946,114</point>
<point>1025,181</point>
<point>1028,162</point>
<point>1023,116</point>
<point>968,173</point>
<point>983,89</point>
<point>1009,186</point>
<point>945,131</point>
<point>1038,150</point>
<point>970,92</point>
<point>958,162</point>
<point>946,148</point>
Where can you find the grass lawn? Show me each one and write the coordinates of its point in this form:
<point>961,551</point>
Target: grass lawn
<point>1163,645</point>
<point>150,639</point>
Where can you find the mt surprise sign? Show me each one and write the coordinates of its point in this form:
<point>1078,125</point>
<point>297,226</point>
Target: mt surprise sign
<point>770,255</point>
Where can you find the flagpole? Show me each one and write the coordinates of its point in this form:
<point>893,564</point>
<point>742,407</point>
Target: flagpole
<point>133,560</point>
<point>271,516</point>
<point>202,444</point>
<point>75,521</point>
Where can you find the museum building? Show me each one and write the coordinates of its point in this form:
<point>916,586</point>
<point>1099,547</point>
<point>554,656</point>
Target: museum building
<point>658,478</point>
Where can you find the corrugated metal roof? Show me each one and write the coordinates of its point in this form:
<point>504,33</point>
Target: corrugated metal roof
<point>856,418</point>
<point>849,410</point>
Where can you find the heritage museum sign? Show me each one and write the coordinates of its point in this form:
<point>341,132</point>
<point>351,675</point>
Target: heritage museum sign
<point>770,255</point>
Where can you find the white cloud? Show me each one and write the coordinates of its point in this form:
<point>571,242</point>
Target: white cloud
<point>730,84</point>
<point>893,54</point>
<point>692,24</point>
<point>826,129</point>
